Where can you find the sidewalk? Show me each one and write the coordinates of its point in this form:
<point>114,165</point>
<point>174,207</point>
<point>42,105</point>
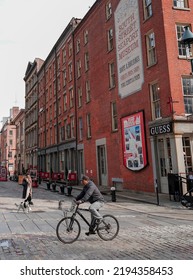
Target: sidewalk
<point>149,198</point>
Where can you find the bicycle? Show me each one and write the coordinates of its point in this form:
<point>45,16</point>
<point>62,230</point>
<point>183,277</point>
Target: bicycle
<point>68,229</point>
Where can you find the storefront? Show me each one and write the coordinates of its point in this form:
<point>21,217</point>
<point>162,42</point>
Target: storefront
<point>172,149</point>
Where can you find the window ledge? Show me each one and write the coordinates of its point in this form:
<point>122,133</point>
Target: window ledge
<point>181,9</point>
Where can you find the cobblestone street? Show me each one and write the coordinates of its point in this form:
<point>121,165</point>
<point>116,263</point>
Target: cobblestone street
<point>147,231</point>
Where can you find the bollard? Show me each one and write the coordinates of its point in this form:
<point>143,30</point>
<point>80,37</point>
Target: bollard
<point>113,194</point>
<point>54,187</point>
<point>62,189</point>
<point>48,185</point>
<point>69,189</point>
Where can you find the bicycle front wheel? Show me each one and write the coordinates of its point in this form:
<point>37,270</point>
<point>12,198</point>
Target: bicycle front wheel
<point>68,230</point>
<point>108,228</point>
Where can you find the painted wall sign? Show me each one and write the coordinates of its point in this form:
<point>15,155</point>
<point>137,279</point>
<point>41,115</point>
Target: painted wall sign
<point>161,129</point>
<point>134,146</point>
<point>129,49</point>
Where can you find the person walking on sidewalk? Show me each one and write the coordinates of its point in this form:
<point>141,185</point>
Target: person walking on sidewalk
<point>28,195</point>
<point>91,194</point>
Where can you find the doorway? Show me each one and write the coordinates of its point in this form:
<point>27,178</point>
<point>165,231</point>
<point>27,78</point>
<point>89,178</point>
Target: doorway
<point>102,165</point>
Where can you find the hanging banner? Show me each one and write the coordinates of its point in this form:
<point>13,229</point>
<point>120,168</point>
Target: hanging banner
<point>134,146</point>
<point>128,46</point>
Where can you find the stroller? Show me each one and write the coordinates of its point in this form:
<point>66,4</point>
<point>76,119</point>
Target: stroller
<point>187,199</point>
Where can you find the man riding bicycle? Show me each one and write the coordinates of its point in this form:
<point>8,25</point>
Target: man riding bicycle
<point>92,194</point>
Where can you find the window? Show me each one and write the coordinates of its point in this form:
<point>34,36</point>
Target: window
<point>59,106</point>
<point>70,71</point>
<point>187,84</point>
<point>58,83</point>
<point>87,91</point>
<point>181,48</point>
<point>79,97</point>
<point>147,8</point>
<point>64,77</point>
<point>108,10</point>
<point>70,49</point>
<point>86,61</point>
<point>58,62</point>
<point>110,39</point>
<point>62,134</point>
<point>65,101</point>
<point>181,4</point>
<point>187,154</point>
<point>71,97</point>
<point>78,46</point>
<point>111,75</point>
<point>78,68</point>
<point>85,37</point>
<point>151,51</point>
<point>72,126</point>
<point>114,116</point>
<point>169,154</point>
<point>155,101</point>
<point>64,56</point>
<point>88,123</point>
<point>80,128</point>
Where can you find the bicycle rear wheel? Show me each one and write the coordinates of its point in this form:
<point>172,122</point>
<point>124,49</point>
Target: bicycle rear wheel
<point>108,228</point>
<point>68,230</point>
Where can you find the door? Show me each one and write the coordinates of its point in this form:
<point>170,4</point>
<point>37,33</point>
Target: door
<point>164,162</point>
<point>102,166</point>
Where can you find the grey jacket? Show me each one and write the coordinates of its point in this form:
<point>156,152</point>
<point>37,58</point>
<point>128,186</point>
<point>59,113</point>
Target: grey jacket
<point>90,193</point>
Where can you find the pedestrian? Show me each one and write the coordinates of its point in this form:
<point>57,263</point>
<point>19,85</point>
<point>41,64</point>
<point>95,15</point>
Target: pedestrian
<point>28,195</point>
<point>91,194</point>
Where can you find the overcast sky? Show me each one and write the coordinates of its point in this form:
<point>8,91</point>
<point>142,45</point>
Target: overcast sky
<point>29,29</point>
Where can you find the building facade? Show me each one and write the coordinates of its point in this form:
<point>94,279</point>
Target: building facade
<point>8,142</point>
<point>31,113</point>
<point>19,157</point>
<point>57,107</point>
<point>116,96</point>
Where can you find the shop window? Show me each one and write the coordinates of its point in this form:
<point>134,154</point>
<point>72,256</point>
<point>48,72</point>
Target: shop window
<point>187,154</point>
<point>169,154</point>
<point>162,158</point>
<point>187,84</point>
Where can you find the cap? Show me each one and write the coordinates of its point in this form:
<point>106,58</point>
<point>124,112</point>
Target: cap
<point>84,177</point>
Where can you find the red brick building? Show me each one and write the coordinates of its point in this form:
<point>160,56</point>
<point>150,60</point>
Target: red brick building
<point>125,115</point>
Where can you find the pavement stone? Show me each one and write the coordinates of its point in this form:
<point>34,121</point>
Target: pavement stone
<point>147,231</point>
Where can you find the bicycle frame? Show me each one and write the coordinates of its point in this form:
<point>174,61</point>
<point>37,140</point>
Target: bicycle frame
<point>78,211</point>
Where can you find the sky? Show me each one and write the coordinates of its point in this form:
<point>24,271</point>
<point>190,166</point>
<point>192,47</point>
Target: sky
<point>28,30</point>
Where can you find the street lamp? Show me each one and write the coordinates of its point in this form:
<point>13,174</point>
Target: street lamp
<point>187,41</point>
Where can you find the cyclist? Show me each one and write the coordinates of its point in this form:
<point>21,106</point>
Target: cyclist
<point>92,194</point>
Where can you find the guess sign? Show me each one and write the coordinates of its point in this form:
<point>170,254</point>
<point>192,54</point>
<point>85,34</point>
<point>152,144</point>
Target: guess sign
<point>161,129</point>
